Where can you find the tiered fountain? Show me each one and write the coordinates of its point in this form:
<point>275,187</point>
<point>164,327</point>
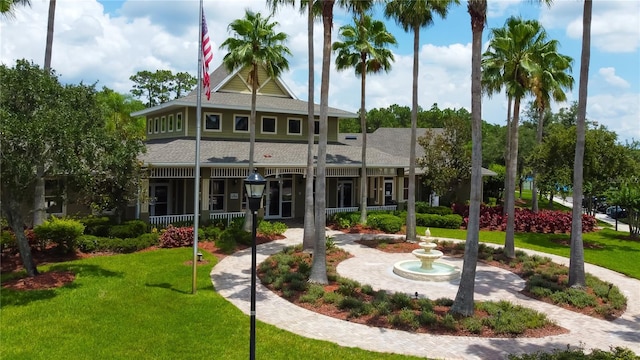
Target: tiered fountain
<point>426,268</point>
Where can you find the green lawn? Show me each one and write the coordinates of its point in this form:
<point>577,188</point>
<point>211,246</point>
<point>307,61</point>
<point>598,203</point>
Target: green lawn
<point>140,306</point>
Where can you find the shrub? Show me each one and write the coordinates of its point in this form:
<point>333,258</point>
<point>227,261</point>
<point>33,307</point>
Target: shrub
<point>211,233</point>
<point>400,301</point>
<point>268,228</point>
<point>63,232</point>
<point>347,287</point>
<point>346,219</point>
<point>96,225</point>
<point>91,243</point>
<point>424,208</point>
<point>385,222</point>
<point>427,318</point>
<point>173,237</point>
<point>449,322</point>
<point>405,318</point>
<point>617,353</point>
<point>130,229</point>
<point>452,221</point>
<point>8,241</point>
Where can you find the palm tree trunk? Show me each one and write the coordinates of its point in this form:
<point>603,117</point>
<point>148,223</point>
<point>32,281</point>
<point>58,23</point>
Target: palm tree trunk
<point>308,239</point>
<point>411,201</point>
<point>463,303</point>
<point>534,185</point>
<point>248,218</point>
<point>363,128</point>
<point>509,245</point>
<point>39,211</point>
<point>505,193</point>
<point>576,257</point>
<point>319,264</point>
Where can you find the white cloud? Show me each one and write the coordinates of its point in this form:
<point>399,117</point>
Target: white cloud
<point>614,23</point>
<point>609,75</point>
<point>618,113</point>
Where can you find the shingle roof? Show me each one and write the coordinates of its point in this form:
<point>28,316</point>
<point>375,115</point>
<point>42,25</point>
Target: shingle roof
<point>181,152</point>
<point>394,141</point>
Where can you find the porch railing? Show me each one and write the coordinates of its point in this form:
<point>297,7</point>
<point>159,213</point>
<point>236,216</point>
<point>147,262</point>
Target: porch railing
<point>331,211</point>
<point>228,216</point>
<point>169,219</point>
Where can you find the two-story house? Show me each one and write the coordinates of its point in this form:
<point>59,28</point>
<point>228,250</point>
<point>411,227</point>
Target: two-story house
<point>280,155</point>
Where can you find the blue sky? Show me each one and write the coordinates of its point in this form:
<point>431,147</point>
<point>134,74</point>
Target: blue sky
<point>107,41</point>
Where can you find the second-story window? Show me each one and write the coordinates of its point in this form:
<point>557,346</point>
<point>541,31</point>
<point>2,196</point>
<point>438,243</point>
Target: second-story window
<point>156,125</point>
<point>213,122</point>
<point>163,124</point>
<point>149,126</point>
<point>241,123</point>
<point>294,127</point>
<point>179,121</point>
<point>170,123</point>
<point>268,125</point>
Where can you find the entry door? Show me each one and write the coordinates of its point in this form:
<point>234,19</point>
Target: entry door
<point>388,191</point>
<point>159,199</point>
<point>345,193</point>
<point>273,199</point>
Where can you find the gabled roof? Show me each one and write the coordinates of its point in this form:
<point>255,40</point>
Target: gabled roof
<point>223,98</point>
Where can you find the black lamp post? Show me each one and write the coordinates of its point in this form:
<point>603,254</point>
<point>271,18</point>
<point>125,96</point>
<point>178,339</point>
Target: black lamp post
<point>254,185</point>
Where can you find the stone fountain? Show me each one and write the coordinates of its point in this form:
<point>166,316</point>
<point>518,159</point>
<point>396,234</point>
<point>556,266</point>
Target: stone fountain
<point>426,268</point>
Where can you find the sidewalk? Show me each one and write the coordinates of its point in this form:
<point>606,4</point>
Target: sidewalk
<point>568,202</point>
<point>231,279</point>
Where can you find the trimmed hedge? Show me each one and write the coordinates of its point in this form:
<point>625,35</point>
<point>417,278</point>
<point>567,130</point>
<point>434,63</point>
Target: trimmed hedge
<point>452,221</point>
<point>129,229</point>
<point>91,243</point>
<point>424,208</point>
<point>386,222</point>
<point>268,228</point>
<point>96,225</point>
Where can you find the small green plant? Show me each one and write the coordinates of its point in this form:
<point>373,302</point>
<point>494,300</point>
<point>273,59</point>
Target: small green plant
<point>63,232</point>
<point>405,318</point>
<point>449,322</point>
<point>330,243</point>
<point>400,301</point>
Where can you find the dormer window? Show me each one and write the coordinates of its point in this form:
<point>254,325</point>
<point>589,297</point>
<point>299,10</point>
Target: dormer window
<point>241,123</point>
<point>212,122</point>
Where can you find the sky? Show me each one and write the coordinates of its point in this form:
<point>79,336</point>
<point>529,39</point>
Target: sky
<point>107,41</point>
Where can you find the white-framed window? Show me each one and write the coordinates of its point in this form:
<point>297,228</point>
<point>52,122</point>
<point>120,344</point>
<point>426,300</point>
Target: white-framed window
<point>216,195</point>
<point>316,127</point>
<point>294,126</point>
<point>156,125</point>
<point>241,123</point>
<point>54,197</point>
<point>170,123</point>
<point>149,126</point>
<point>405,189</point>
<point>269,125</point>
<point>212,122</point>
<point>163,124</point>
<point>179,121</point>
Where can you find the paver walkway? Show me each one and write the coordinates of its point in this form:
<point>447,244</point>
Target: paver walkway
<point>231,278</point>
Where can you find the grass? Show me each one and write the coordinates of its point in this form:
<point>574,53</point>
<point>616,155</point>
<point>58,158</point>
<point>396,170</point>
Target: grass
<point>140,306</point>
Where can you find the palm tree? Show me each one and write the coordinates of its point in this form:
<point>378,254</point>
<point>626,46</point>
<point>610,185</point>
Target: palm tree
<point>511,57</point>
<point>576,256</point>
<point>413,15</point>
<point>364,48</point>
<point>312,8</point>
<point>8,7</point>
<point>463,303</point>
<point>255,44</point>
<point>549,79</point>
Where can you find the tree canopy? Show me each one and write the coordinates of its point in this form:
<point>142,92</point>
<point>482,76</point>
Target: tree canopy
<point>161,86</point>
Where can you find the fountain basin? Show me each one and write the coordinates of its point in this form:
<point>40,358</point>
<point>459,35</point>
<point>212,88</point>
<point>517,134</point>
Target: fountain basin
<point>412,269</point>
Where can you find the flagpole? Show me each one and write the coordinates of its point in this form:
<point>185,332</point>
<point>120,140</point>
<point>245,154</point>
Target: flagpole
<point>196,186</point>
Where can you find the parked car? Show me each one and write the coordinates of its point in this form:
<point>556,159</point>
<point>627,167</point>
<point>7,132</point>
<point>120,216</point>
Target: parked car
<point>616,212</point>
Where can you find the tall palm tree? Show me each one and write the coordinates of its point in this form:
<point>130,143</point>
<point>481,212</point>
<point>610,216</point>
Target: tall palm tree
<point>511,57</point>
<point>463,303</point>
<point>8,7</point>
<point>412,16</point>
<point>576,256</point>
<point>255,44</point>
<point>549,79</point>
<point>364,48</point>
<point>313,10</point>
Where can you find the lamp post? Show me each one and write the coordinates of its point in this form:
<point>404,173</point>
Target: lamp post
<point>254,186</point>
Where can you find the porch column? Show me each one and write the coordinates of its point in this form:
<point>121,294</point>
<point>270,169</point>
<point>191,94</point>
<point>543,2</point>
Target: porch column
<point>205,180</point>
<point>143,198</point>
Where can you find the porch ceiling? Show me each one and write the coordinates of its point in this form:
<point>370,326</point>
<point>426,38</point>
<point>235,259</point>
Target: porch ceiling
<point>215,153</point>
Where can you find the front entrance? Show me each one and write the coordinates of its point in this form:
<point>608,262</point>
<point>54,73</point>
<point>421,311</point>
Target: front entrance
<point>388,191</point>
<point>345,193</point>
<point>159,199</point>
<point>279,198</point>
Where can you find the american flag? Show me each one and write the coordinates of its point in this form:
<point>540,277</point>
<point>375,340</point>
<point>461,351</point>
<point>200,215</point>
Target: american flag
<point>207,55</point>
